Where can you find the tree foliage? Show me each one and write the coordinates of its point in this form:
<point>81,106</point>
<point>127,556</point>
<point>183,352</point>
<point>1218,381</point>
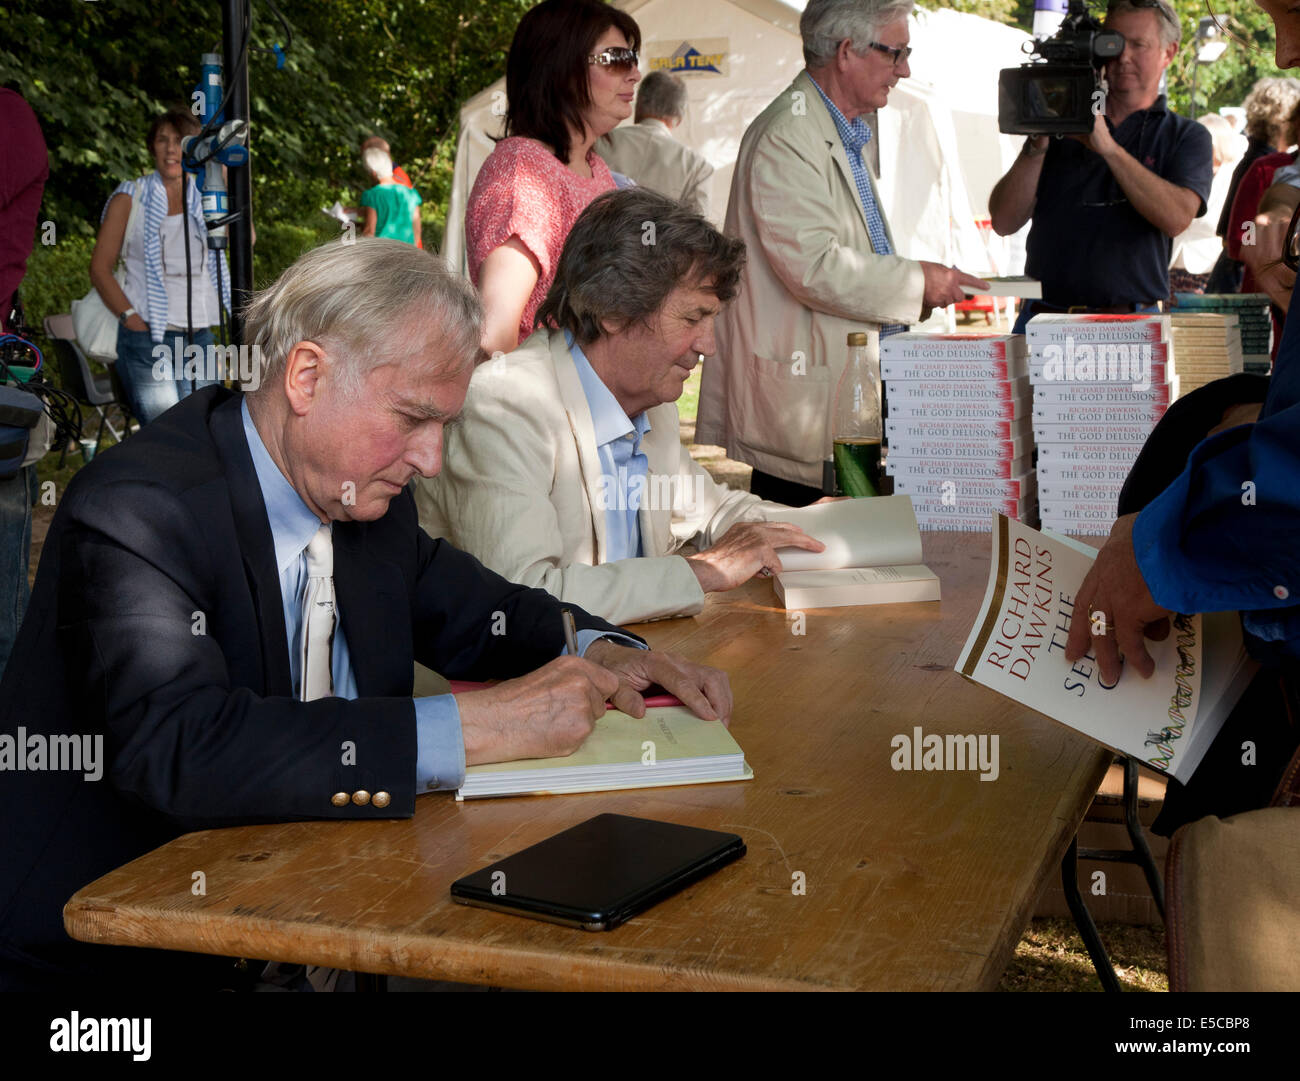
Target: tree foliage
<point>1249,33</point>
<point>96,73</point>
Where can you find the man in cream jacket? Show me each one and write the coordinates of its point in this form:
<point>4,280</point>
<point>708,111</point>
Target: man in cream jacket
<point>568,471</point>
<point>821,258</point>
<point>648,151</point>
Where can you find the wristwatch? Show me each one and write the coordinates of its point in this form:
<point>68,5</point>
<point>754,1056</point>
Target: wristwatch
<point>125,316</point>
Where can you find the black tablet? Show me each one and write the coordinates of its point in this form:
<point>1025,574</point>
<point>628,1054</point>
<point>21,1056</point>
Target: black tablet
<point>600,873</point>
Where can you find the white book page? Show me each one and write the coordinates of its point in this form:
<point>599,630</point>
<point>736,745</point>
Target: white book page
<point>871,532</point>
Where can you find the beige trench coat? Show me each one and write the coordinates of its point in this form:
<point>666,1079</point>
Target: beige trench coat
<point>811,278</point>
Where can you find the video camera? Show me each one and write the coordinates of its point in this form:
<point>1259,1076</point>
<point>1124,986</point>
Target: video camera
<point>1053,94</point>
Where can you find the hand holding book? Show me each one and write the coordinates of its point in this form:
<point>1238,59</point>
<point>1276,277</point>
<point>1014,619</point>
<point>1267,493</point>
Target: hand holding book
<point>1114,611</point>
<point>1035,608</point>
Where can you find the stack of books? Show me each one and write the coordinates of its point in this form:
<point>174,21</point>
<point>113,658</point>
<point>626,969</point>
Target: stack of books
<point>1254,323</point>
<point>958,427</point>
<point>1101,382</point>
<point>1207,346</point>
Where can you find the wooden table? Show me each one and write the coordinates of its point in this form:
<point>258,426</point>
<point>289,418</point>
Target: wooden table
<point>911,880</point>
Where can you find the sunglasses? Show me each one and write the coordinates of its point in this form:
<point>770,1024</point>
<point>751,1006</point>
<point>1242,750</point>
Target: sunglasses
<point>1162,9</point>
<point>618,58</point>
<point>895,53</point>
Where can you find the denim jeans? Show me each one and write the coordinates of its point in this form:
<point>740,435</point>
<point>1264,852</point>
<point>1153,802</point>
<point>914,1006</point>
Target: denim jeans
<point>151,393</point>
<point>15,550</point>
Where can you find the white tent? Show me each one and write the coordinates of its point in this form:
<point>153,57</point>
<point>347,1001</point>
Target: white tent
<point>940,150</point>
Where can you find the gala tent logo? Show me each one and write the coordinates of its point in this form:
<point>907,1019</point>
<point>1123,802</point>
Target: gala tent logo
<point>704,56</point>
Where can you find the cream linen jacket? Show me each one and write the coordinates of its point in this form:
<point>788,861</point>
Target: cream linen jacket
<point>521,490</point>
<point>810,279</point>
<point>649,154</point>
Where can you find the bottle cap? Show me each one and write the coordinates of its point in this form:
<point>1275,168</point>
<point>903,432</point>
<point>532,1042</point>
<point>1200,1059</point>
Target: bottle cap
<point>857,338</point>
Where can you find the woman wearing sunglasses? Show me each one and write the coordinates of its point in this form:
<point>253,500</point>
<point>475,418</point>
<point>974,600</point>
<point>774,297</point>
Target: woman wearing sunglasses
<point>570,78</point>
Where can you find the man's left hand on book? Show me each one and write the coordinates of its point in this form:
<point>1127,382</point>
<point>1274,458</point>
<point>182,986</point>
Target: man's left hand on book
<point>1114,612</point>
<point>705,691</point>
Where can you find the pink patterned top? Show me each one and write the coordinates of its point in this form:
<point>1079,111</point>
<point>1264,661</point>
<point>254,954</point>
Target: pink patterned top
<point>524,190</point>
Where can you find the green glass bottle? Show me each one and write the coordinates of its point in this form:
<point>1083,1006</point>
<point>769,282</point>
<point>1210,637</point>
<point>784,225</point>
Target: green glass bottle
<point>855,423</point>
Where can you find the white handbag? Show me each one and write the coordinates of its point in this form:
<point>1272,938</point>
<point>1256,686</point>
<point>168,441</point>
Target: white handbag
<point>93,324</point>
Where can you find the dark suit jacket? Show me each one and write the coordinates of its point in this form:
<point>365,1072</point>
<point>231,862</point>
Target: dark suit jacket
<point>202,729</point>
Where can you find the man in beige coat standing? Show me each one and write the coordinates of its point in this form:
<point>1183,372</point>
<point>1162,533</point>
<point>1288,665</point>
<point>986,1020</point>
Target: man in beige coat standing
<point>568,472</point>
<point>648,151</point>
<point>822,260</point>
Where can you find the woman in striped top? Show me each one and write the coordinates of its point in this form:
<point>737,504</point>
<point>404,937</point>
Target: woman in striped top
<point>170,296</point>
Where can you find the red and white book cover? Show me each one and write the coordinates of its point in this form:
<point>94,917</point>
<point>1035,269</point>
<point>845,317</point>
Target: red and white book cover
<point>904,429</point>
<point>1095,473</point>
<point>960,410</point>
<point>1087,434</point>
<point>1104,394</point>
<point>1058,492</point>
<point>1124,454</point>
<point>928,466</point>
<point>955,390</point>
<point>941,487</point>
<point>917,344</point>
<point>1122,413</point>
<point>960,448</point>
<point>1091,327</point>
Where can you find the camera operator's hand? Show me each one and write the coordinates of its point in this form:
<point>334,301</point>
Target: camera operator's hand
<point>943,285</point>
<point>1100,140</point>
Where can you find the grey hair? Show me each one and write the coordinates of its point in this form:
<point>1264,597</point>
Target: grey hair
<point>1171,28</point>
<point>1269,106</point>
<point>367,303</point>
<point>626,253</point>
<point>825,23</point>
<point>661,95</point>
<point>1221,136</point>
<point>378,161</point>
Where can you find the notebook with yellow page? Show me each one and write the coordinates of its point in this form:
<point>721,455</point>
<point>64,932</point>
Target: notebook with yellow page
<point>668,746</point>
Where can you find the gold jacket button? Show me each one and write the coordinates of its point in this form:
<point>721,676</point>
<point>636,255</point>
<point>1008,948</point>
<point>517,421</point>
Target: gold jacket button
<point>360,797</point>
<point>339,799</point>
<point>381,799</point>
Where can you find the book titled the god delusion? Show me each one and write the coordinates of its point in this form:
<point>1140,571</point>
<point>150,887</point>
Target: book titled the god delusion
<point>1017,647</point>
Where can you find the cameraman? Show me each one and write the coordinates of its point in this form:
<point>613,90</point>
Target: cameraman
<point>1107,205</point>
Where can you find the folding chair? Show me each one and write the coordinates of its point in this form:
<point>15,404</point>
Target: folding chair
<point>99,392</point>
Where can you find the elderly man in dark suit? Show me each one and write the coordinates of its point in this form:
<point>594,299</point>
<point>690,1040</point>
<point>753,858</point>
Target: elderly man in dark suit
<point>229,606</point>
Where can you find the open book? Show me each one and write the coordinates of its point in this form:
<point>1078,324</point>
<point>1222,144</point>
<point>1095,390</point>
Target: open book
<point>667,746</point>
<point>872,556</point>
<point>1017,647</point>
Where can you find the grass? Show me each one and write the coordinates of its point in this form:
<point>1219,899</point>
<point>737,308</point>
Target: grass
<point>689,403</point>
<point>1051,957</point>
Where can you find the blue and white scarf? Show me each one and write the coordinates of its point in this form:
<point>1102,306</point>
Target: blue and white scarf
<point>153,195</point>
<point>855,134</point>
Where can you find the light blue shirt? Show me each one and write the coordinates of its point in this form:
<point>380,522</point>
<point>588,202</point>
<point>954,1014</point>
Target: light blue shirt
<point>440,745</point>
<point>855,134</point>
<point>618,445</point>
